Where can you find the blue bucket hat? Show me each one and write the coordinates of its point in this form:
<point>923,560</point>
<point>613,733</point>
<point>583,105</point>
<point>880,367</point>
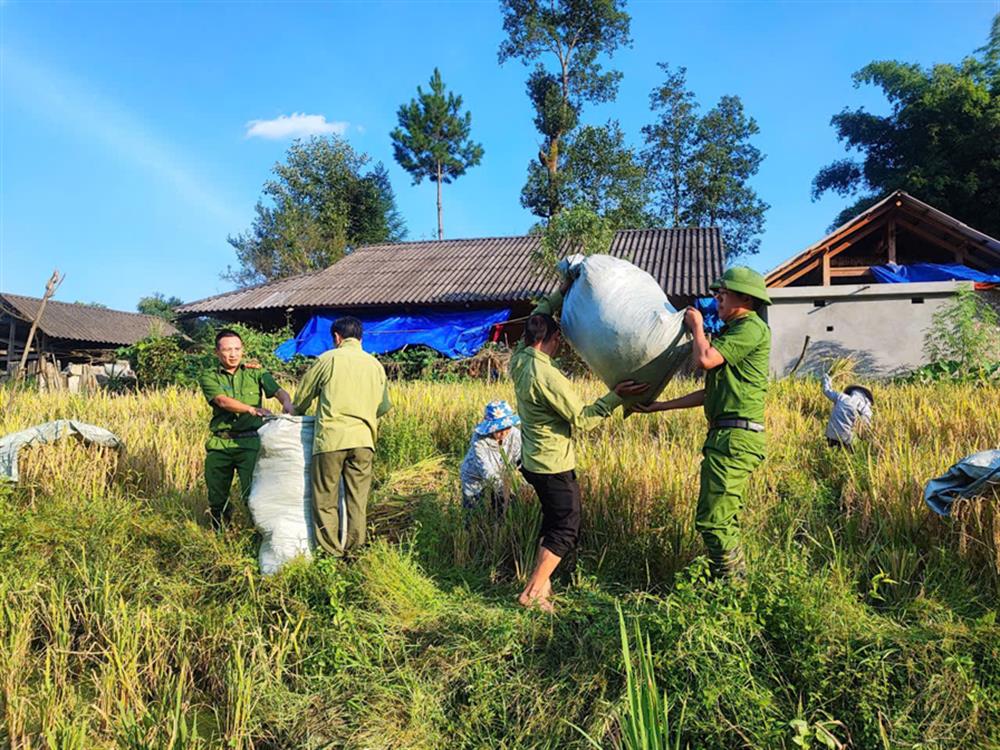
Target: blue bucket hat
<point>498,416</point>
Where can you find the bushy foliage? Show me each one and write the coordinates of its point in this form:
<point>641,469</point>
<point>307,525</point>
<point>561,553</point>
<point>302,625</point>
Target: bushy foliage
<point>938,140</point>
<point>160,361</point>
<point>963,342</point>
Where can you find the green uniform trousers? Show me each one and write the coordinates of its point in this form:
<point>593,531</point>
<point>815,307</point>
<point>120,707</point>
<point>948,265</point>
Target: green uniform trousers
<point>220,464</point>
<point>354,466</point>
<point>729,457</point>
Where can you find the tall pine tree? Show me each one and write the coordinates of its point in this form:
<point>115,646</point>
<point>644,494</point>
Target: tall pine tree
<point>432,139</point>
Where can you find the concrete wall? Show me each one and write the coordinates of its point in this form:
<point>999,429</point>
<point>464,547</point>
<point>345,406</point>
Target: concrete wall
<point>881,325</point>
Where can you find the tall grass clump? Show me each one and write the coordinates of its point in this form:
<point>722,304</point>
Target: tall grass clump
<point>865,621</point>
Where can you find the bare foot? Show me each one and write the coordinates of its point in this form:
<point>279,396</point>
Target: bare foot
<point>539,601</point>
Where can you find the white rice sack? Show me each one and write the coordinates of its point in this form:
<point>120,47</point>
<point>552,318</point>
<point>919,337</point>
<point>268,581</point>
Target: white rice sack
<point>281,495</point>
<point>620,322</point>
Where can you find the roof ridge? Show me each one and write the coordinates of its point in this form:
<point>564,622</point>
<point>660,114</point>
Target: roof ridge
<point>95,308</point>
<point>381,245</point>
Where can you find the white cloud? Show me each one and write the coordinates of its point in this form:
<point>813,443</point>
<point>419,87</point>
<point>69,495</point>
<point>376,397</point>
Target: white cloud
<point>294,125</point>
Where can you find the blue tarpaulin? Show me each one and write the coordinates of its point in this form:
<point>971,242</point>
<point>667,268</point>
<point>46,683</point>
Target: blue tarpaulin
<point>710,312</point>
<point>893,273</point>
<point>453,334</point>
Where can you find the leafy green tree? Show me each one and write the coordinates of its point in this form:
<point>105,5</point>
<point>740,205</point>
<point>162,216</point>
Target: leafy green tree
<point>321,201</point>
<point>577,229</point>
<point>159,306</point>
<point>432,139</point>
<point>939,142</point>
<point>722,164</point>
<point>670,143</point>
<point>700,166</point>
<point>604,174</point>
<point>575,33</point>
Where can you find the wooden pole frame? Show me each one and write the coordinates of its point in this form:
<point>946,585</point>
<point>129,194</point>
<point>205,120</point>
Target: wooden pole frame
<point>50,289</point>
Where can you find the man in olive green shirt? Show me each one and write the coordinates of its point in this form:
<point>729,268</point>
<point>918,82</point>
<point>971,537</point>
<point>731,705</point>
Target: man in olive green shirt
<point>234,391</point>
<point>551,412</point>
<point>736,373</point>
<point>353,393</point>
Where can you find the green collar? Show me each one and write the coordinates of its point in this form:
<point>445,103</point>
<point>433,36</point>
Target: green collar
<point>222,370</point>
<point>741,318</point>
<point>351,343</point>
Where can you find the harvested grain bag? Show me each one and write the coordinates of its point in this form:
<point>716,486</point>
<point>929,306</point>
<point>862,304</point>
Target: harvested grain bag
<point>619,321</point>
<point>281,495</point>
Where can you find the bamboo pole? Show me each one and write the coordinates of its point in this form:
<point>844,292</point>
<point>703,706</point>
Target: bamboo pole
<point>50,289</point>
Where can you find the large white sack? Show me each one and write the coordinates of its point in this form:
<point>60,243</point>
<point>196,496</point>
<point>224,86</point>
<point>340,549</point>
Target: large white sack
<point>620,322</point>
<point>281,495</point>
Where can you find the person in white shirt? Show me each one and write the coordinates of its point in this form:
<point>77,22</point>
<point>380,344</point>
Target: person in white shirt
<point>493,457</point>
<point>852,411</point>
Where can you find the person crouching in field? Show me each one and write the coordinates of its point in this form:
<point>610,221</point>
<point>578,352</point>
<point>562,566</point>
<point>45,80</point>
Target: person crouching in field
<point>852,413</point>
<point>234,390</point>
<point>551,412</point>
<point>495,450</point>
<point>736,372</point>
<point>351,387</point>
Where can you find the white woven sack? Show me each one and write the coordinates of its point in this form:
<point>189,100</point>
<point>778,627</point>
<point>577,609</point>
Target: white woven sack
<point>620,322</point>
<point>281,495</point>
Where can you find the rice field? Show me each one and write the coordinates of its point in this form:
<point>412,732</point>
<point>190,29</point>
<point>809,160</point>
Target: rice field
<point>866,622</point>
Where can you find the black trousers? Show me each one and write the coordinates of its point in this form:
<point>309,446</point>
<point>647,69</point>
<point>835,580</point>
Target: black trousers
<point>559,495</point>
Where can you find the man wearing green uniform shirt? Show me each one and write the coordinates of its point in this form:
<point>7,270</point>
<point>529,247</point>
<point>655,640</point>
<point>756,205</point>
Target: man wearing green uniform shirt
<point>234,392</point>
<point>736,371</point>
<point>551,412</point>
<point>351,387</point>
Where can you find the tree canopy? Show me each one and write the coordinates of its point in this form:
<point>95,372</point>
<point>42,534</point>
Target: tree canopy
<point>432,139</point>
<point>159,305</point>
<point>700,166</point>
<point>940,142</point>
<point>574,34</point>
<point>322,200</point>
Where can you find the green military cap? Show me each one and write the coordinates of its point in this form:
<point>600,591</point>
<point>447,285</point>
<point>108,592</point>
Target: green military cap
<point>745,281</point>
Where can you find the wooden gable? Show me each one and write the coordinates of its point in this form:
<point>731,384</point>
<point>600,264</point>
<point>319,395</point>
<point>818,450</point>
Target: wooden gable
<point>899,229</point>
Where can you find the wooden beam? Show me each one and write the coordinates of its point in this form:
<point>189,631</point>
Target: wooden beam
<point>50,289</point>
<point>920,222</point>
<point>814,263</point>
<point>890,230</point>
<point>863,228</point>
<point>860,236</point>
<point>934,239</point>
<point>841,271</point>
<point>826,269</point>
<point>11,338</point>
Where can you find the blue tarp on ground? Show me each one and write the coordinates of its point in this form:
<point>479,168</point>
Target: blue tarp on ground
<point>453,334</point>
<point>973,475</point>
<point>893,273</point>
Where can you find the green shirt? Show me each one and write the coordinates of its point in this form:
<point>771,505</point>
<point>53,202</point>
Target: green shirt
<point>244,385</point>
<point>737,387</point>
<point>353,393</point>
<point>549,408</point>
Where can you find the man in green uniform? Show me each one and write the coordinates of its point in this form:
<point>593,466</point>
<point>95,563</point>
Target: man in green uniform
<point>736,372</point>
<point>353,393</point>
<point>551,412</point>
<point>234,391</point>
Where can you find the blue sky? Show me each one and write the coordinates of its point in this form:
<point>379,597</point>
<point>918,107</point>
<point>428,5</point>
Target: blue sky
<point>125,149</point>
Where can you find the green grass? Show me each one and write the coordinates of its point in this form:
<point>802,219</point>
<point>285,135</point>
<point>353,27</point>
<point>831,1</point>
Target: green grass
<point>865,621</point>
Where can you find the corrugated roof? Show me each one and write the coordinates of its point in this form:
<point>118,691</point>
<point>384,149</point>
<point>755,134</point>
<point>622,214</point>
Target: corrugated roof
<point>62,320</point>
<point>479,271</point>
